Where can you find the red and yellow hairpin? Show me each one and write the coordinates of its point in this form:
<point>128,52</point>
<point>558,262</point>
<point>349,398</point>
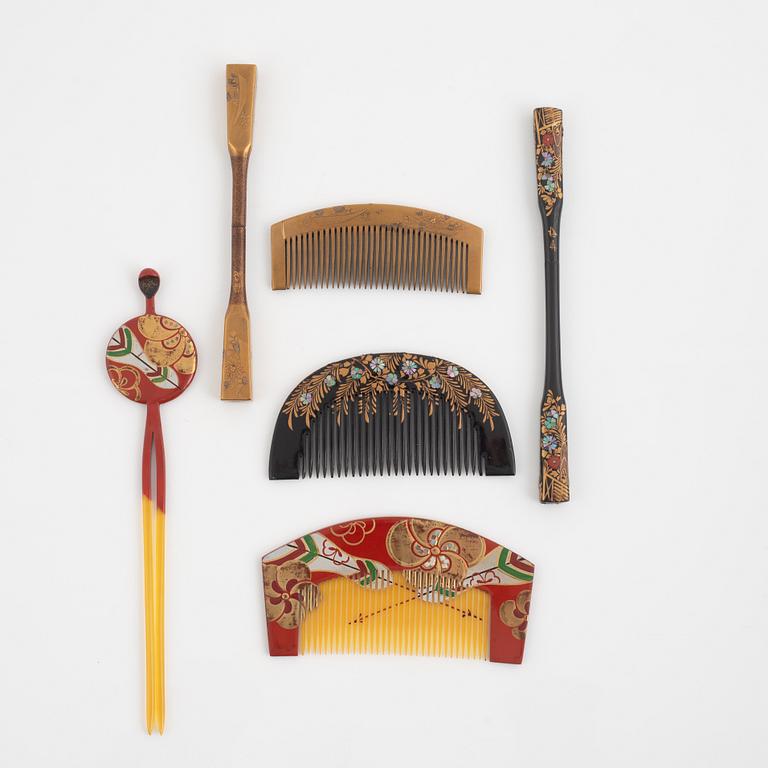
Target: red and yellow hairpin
<point>152,359</point>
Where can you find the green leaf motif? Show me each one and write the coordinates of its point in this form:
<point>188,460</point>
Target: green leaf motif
<point>163,376</point>
<point>126,350</point>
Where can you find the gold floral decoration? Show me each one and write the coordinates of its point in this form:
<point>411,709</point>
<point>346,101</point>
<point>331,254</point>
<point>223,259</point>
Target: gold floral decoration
<point>514,613</point>
<point>358,381</point>
<point>288,593</point>
<point>126,379</point>
<point>433,547</point>
<point>554,449</point>
<point>168,344</point>
<point>548,125</point>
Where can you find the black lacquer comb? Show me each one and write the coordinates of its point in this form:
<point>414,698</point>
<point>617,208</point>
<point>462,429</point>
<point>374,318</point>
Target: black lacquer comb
<point>390,413</point>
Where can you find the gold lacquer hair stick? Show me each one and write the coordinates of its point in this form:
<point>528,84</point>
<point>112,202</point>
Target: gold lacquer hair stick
<point>236,363</point>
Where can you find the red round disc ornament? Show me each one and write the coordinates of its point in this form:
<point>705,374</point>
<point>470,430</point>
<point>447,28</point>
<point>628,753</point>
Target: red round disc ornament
<point>151,358</point>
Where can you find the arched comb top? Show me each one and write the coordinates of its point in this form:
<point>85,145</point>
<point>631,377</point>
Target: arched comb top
<point>393,413</point>
<point>377,246</point>
<point>397,585</point>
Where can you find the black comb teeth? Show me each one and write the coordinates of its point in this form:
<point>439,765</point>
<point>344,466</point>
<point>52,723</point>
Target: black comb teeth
<point>387,445</point>
<point>390,413</point>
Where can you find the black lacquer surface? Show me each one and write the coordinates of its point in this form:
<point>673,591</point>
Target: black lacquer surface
<point>553,447</point>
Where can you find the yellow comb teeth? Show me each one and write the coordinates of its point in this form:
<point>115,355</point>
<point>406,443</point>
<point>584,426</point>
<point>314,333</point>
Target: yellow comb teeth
<point>396,614</point>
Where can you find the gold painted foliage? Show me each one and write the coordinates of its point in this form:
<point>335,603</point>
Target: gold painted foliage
<point>357,383</point>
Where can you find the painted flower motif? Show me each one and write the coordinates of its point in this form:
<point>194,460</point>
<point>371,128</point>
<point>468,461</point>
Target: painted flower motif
<point>452,371</point>
<point>288,590</point>
<point>547,139</point>
<point>553,461</point>
<point>356,373</point>
<point>305,398</point>
<point>547,158</point>
<point>167,343</point>
<point>434,547</point>
<point>548,182</point>
<point>475,393</point>
<point>377,365</point>
<point>126,379</point>
<point>514,613</point>
<point>550,421</point>
<point>409,367</point>
<point>330,381</point>
<point>549,443</point>
<point>434,382</point>
<point>354,532</point>
<point>392,378</point>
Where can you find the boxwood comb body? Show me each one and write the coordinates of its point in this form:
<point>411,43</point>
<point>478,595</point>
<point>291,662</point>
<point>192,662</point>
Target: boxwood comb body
<point>553,446</point>
<point>377,246</point>
<point>390,413</point>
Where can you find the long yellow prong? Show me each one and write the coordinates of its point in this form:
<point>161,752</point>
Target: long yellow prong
<point>160,619</point>
<point>149,632</point>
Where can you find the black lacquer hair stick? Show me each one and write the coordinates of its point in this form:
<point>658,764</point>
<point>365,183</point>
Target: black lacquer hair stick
<point>553,446</point>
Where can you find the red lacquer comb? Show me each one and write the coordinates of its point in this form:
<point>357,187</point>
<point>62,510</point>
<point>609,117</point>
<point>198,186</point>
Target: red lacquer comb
<point>397,585</point>
<point>151,359</point>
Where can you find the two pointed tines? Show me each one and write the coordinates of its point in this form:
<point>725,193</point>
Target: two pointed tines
<point>438,443</point>
<point>376,257</point>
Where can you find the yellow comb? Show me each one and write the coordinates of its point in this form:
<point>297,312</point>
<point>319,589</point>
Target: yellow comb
<point>397,585</point>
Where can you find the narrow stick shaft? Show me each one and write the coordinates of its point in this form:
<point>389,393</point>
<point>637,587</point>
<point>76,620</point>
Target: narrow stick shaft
<point>239,206</point>
<point>159,453</point>
<point>149,570</point>
<point>553,373</point>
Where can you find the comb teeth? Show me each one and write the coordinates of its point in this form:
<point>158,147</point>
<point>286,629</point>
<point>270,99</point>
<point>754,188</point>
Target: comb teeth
<point>385,444</point>
<point>377,246</point>
<point>414,614</point>
<point>376,257</point>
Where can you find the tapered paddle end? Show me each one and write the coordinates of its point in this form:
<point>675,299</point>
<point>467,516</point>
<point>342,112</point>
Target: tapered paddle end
<point>236,361</point>
<point>554,486</point>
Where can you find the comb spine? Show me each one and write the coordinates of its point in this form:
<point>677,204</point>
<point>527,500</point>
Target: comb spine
<point>278,242</point>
